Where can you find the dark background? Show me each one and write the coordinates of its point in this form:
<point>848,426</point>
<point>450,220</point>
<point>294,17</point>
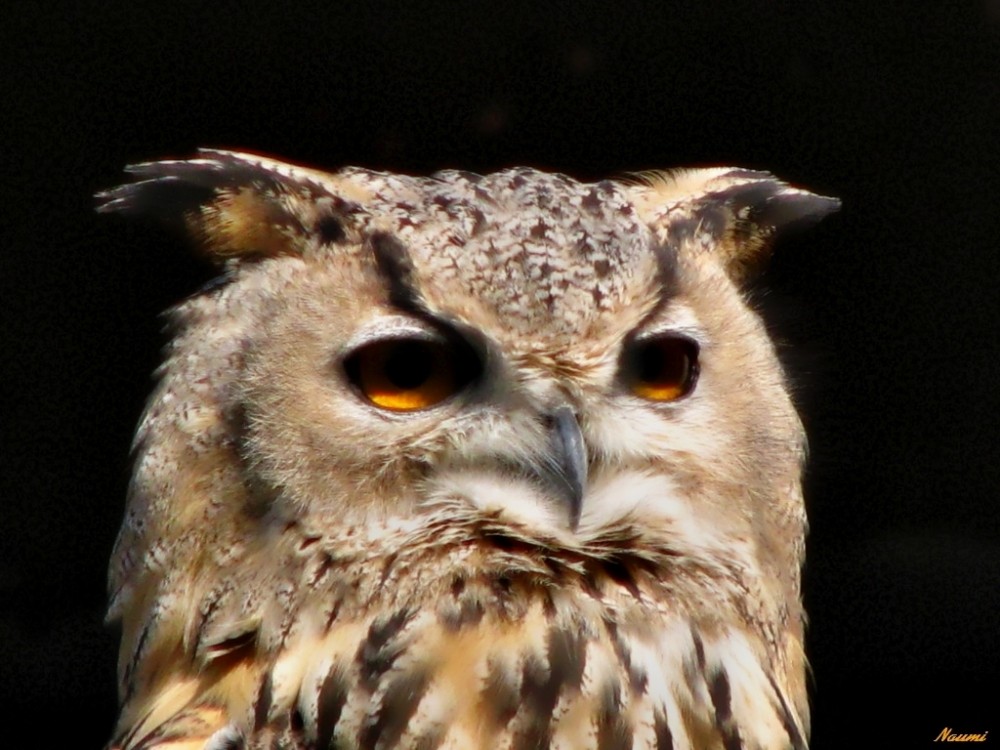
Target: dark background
<point>889,309</point>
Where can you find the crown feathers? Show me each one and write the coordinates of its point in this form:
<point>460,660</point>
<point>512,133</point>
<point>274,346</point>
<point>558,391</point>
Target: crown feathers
<point>246,206</point>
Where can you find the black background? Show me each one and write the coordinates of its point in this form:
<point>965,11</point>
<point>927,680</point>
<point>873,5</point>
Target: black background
<point>889,309</point>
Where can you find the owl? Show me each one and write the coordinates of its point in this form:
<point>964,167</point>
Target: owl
<point>469,462</point>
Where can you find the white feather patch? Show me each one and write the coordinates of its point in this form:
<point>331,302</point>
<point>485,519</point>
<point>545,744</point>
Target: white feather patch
<point>513,499</point>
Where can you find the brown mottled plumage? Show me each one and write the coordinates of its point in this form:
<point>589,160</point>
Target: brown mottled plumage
<point>464,461</point>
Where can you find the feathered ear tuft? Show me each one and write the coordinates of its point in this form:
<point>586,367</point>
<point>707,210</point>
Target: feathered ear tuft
<point>733,213</point>
<point>238,205</point>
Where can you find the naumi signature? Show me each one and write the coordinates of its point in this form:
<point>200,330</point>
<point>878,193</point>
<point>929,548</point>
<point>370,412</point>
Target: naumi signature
<point>950,735</point>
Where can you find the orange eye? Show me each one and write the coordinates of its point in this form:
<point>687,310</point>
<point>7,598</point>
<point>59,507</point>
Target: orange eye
<point>664,368</point>
<point>409,374</point>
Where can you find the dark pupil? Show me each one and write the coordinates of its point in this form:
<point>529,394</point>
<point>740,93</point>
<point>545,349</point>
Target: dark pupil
<point>409,365</point>
<point>661,363</point>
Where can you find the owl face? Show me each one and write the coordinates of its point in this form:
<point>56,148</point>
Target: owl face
<point>517,358</point>
<point>518,346</point>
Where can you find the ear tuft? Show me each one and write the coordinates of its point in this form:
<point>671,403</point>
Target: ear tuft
<point>736,214</point>
<point>237,205</point>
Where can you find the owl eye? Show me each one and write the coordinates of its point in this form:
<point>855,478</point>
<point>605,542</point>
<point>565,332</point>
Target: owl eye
<point>408,374</point>
<point>663,368</point>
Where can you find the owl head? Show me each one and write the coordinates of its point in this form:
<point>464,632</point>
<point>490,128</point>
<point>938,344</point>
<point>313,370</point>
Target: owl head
<point>517,361</point>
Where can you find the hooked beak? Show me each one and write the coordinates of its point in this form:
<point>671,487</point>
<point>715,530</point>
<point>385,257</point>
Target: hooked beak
<point>565,471</point>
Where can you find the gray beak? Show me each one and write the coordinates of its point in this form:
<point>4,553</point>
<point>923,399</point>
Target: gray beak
<point>565,470</point>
